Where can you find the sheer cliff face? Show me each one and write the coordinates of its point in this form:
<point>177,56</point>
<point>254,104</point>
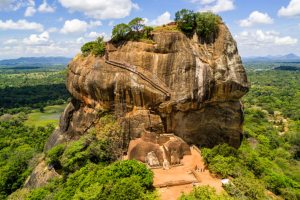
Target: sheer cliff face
<point>184,87</point>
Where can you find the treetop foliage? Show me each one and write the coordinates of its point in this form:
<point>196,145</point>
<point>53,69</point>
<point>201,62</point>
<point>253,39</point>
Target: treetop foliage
<point>205,24</point>
<point>134,30</point>
<point>96,47</point>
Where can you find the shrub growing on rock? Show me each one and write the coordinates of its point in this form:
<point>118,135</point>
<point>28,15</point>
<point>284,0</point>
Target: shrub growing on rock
<point>134,30</point>
<point>186,21</point>
<point>96,47</point>
<point>207,26</point>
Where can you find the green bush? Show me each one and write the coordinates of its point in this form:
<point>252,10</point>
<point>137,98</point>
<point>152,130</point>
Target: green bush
<point>246,188</point>
<point>38,194</point>
<point>204,193</point>
<point>223,166</point>
<point>134,30</point>
<point>186,21</point>
<point>74,156</point>
<point>120,32</point>
<point>96,47</point>
<point>120,180</point>
<point>54,154</point>
<point>207,26</point>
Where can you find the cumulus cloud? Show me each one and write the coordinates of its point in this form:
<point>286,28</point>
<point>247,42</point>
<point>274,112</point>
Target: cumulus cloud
<point>93,35</point>
<point>95,24</point>
<point>18,48</point>
<point>11,42</point>
<point>45,8</point>
<point>78,26</point>
<point>256,17</point>
<point>74,26</point>
<point>261,38</point>
<point>30,11</point>
<point>101,9</point>
<point>215,6</point>
<point>35,39</point>
<point>164,18</point>
<point>10,4</point>
<point>259,43</point>
<point>293,9</point>
<point>52,29</point>
<point>20,25</point>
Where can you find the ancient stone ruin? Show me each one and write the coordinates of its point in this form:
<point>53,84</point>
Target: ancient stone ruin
<point>173,85</point>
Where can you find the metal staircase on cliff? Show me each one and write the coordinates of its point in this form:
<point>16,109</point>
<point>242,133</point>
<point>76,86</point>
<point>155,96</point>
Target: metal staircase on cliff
<point>146,75</point>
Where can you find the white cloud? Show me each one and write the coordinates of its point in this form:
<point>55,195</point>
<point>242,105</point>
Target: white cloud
<point>80,40</point>
<point>30,11</point>
<point>35,39</point>
<point>260,43</point>
<point>20,25</point>
<point>39,45</point>
<point>93,35</point>
<point>10,42</point>
<point>216,6</point>
<point>78,26</point>
<point>95,24</point>
<point>101,9</point>
<point>45,8</point>
<point>52,30</point>
<point>203,2</point>
<point>10,5</point>
<point>31,3</point>
<point>285,40</point>
<point>74,26</point>
<point>165,18</point>
<point>256,17</point>
<point>13,5</point>
<point>261,38</point>
<point>293,9</point>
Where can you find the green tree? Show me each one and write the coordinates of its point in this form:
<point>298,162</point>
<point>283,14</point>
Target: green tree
<point>96,47</point>
<point>186,21</point>
<point>207,26</point>
<point>120,32</point>
<point>137,24</point>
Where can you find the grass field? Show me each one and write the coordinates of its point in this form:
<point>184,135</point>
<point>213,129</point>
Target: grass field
<point>49,116</point>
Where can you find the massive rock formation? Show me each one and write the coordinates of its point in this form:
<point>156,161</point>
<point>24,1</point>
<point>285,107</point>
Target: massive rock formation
<point>173,84</point>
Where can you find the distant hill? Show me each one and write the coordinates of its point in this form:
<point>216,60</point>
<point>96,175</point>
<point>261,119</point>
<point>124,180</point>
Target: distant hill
<point>282,58</point>
<point>35,61</point>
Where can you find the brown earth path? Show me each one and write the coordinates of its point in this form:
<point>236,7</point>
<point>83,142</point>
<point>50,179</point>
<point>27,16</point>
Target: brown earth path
<point>183,174</point>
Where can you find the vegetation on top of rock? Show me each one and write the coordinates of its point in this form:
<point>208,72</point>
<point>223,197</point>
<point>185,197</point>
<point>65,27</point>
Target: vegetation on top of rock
<point>186,21</point>
<point>96,47</point>
<point>205,24</point>
<point>134,30</point>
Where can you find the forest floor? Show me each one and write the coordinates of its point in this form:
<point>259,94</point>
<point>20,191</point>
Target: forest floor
<point>186,175</point>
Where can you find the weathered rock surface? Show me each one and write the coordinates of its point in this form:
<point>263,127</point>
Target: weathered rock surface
<point>174,85</point>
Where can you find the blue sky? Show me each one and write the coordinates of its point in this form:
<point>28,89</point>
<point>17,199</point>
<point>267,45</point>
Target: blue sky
<point>60,27</point>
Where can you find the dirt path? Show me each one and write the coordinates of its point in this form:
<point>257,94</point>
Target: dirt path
<point>183,174</point>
